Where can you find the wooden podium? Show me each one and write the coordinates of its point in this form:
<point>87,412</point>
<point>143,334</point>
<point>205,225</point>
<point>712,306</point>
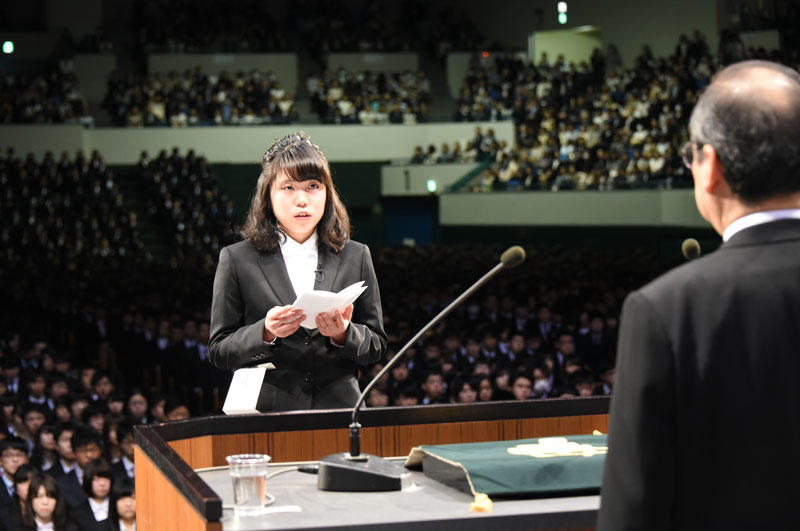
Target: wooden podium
<point>170,495</point>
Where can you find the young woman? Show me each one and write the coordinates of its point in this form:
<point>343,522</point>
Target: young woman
<point>123,514</point>
<point>14,517</point>
<point>45,508</point>
<point>94,513</point>
<point>296,238</point>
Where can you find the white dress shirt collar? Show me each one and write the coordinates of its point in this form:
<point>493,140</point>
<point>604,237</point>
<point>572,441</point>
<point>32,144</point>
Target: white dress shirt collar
<point>100,510</point>
<point>758,218</point>
<point>301,262</point>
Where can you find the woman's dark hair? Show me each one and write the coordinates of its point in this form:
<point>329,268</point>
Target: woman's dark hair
<point>52,491</point>
<point>457,385</point>
<point>24,473</point>
<point>295,156</point>
<point>96,468</point>
<point>120,489</point>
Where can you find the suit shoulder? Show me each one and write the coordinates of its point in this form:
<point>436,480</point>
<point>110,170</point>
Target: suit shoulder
<point>701,274</point>
<point>354,248</point>
<point>239,248</point>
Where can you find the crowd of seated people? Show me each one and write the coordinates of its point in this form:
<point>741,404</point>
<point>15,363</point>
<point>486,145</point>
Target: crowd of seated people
<point>42,98</point>
<point>184,192</point>
<point>552,323</point>
<point>61,214</point>
<point>481,147</point>
<point>592,125</point>
<point>198,26</point>
<point>544,330</point>
<point>199,98</point>
<point>370,97</point>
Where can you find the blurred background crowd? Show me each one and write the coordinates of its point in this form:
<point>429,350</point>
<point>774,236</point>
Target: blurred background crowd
<point>107,270</point>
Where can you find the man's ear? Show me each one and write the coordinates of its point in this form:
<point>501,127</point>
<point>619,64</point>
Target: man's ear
<point>715,182</point>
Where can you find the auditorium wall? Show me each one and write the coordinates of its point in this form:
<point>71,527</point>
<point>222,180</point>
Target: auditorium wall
<point>341,143</point>
<point>632,208</point>
<point>376,62</point>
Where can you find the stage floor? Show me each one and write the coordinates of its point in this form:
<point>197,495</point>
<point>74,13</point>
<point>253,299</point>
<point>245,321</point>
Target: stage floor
<point>426,505</point>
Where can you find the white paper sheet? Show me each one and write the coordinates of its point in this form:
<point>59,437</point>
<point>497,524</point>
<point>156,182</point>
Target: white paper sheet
<point>244,390</point>
<point>316,302</point>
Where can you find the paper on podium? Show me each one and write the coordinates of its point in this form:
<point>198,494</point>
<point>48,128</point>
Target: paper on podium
<point>316,302</point>
<point>244,390</point>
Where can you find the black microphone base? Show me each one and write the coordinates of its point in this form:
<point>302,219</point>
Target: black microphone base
<point>365,473</point>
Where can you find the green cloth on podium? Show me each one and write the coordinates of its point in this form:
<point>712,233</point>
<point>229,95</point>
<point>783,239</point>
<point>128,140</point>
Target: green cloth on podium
<point>539,467</point>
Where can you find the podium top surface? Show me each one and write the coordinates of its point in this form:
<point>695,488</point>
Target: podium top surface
<point>427,505</point>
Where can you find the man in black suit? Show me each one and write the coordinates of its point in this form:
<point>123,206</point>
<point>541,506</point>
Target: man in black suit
<point>13,454</point>
<point>705,414</point>
<point>88,446</point>
<point>66,457</point>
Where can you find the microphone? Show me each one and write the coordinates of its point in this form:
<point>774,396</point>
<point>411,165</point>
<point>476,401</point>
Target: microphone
<point>355,471</point>
<point>690,248</point>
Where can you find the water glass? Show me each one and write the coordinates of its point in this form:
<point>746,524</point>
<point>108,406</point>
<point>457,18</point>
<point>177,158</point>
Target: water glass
<point>249,475</point>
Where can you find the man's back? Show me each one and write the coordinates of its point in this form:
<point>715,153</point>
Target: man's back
<point>712,378</point>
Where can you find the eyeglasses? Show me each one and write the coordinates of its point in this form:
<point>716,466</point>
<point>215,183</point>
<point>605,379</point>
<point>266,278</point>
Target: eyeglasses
<point>687,152</point>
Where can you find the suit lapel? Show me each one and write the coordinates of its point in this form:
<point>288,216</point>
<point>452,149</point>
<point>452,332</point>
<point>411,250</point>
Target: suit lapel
<point>329,264</point>
<point>274,269</point>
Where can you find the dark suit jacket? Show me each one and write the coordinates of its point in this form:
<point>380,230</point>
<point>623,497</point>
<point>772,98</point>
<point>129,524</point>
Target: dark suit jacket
<point>71,490</point>
<point>310,373</point>
<point>705,413</point>
<point>82,518</point>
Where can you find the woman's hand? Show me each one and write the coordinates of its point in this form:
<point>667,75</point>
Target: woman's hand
<point>282,321</point>
<point>334,324</point>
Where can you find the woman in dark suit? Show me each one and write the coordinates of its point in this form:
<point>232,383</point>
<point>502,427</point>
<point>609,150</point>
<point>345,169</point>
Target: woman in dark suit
<point>296,238</point>
<point>94,514</point>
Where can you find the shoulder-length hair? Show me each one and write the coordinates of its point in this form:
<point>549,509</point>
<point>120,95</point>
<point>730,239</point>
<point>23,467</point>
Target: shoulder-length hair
<point>51,489</point>
<point>97,468</point>
<point>295,156</point>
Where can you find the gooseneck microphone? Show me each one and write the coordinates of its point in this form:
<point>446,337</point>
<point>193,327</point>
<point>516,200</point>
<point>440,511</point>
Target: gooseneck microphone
<point>355,471</point>
<point>690,248</point>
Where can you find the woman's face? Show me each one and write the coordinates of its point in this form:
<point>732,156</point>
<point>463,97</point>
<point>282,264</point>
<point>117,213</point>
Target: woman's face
<point>297,205</point>
<point>47,440</point>
<point>43,505</point>
<point>126,507</point>
<point>101,487</point>
<point>467,394</point>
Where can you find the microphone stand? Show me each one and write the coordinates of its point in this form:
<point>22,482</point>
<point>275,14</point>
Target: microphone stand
<point>355,471</point>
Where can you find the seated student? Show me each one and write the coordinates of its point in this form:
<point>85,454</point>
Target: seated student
<point>87,445</point>
<point>137,407</point>
<point>13,454</point>
<point>13,518</point>
<point>462,391</point>
<point>433,387</point>
<point>484,386</point>
<point>522,387</point>
<point>123,514</point>
<point>33,417</point>
<point>175,409</point>
<point>44,454</point>
<point>378,397</point>
<point>93,514</point>
<point>502,385</point>
<point>45,509</point>
<point>408,395</point>
<point>66,457</point>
